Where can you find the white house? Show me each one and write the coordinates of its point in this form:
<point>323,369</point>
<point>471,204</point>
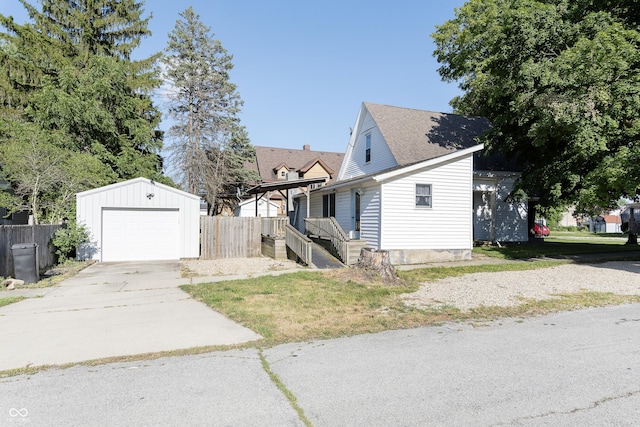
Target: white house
<point>139,220</point>
<point>408,185</point>
<point>608,224</point>
<point>248,208</point>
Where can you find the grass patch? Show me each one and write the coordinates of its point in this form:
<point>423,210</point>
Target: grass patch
<point>560,302</point>
<point>421,275</point>
<point>587,235</point>
<point>9,300</point>
<point>306,305</point>
<point>317,305</point>
<point>554,248</point>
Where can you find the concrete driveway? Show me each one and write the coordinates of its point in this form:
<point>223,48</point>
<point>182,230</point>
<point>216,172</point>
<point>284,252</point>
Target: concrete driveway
<point>111,309</point>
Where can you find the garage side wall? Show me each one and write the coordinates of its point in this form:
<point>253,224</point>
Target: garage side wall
<point>141,194</point>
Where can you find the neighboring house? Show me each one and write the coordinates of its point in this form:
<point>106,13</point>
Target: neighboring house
<point>248,208</point>
<point>408,185</point>
<point>568,218</point>
<point>282,164</point>
<point>607,224</point>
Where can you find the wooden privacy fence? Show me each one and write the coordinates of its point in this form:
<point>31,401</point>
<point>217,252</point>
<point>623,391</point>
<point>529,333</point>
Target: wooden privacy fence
<point>13,234</point>
<point>230,237</point>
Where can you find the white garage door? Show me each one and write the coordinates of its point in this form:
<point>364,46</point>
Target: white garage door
<point>140,234</point>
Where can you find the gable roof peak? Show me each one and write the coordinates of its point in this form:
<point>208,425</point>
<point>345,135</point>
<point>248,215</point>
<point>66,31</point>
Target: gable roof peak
<point>416,135</point>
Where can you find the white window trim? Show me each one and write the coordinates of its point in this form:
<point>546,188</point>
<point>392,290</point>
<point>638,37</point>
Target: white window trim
<point>415,201</point>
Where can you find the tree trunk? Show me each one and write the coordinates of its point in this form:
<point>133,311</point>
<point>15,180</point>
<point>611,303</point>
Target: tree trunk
<point>379,262</point>
<point>633,229</point>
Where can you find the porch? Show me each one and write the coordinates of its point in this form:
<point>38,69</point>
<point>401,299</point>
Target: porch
<point>321,234</point>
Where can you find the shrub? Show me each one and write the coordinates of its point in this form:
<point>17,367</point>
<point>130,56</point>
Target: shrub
<point>66,241</point>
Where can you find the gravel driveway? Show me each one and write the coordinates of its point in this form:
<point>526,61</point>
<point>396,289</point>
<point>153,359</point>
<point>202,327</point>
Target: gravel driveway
<point>508,288</point>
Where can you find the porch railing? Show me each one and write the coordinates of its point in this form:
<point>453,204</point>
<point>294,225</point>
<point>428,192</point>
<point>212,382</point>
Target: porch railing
<point>274,226</point>
<point>328,228</point>
<point>298,243</point>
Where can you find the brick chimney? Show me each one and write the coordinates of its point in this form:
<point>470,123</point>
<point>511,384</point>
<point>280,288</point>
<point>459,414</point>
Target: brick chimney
<point>306,147</point>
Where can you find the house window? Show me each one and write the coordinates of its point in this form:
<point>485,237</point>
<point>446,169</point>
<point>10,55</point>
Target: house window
<point>367,148</point>
<point>328,205</point>
<point>423,195</point>
<point>283,173</point>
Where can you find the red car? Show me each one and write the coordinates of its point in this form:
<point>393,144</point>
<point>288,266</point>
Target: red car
<point>541,230</point>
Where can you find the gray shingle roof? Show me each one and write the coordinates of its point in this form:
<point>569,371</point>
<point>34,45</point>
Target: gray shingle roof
<point>269,157</point>
<point>418,135</point>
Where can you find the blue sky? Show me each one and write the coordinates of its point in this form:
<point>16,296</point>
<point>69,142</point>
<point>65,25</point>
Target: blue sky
<point>304,68</point>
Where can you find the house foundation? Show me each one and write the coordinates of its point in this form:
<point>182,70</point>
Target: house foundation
<point>423,256</point>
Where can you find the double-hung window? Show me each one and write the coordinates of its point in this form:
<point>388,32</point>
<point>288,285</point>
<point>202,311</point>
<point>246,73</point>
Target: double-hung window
<point>329,205</point>
<point>367,148</point>
<point>423,195</point>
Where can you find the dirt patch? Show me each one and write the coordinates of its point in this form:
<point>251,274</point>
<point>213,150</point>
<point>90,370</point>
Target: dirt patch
<point>236,266</point>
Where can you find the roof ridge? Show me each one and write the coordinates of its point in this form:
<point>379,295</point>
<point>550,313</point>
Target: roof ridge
<point>421,110</point>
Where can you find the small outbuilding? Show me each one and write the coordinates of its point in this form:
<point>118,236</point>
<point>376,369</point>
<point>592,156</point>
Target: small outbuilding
<point>139,220</point>
<point>265,209</point>
<point>608,224</point>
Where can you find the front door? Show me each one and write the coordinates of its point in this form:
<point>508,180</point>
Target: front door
<point>355,209</point>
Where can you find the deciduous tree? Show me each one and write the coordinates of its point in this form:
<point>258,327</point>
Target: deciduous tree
<point>560,80</point>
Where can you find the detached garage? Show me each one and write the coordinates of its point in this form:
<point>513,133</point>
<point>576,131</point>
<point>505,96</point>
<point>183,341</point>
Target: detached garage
<point>139,220</point>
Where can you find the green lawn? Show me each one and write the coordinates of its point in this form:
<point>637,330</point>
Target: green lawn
<point>587,235</point>
<point>561,243</point>
<point>326,304</point>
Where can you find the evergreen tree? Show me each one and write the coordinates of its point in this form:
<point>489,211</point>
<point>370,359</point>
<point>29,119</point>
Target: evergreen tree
<point>208,146</point>
<point>69,76</point>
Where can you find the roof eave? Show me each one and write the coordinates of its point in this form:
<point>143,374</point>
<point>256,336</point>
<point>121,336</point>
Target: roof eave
<point>428,163</point>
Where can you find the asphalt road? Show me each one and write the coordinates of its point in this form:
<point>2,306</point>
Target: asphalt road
<point>577,368</point>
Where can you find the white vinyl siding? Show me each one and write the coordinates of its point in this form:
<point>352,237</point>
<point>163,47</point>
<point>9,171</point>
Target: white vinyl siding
<point>136,194</point>
<point>248,208</point>
<point>381,156</point>
<point>482,215</point>
<point>498,219</point>
<point>511,224</point>
<point>447,225</point>
<point>343,208</point>
<point>370,216</point>
<point>300,212</point>
<point>316,205</point>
